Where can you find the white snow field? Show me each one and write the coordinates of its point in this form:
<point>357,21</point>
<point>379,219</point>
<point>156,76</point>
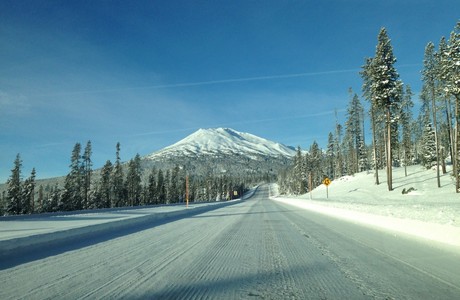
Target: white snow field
<point>427,212</point>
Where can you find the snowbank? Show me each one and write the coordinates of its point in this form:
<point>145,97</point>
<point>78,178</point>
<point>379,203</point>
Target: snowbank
<point>25,233</point>
<point>428,212</point>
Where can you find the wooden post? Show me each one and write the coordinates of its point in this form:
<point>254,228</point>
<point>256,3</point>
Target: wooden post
<point>186,191</point>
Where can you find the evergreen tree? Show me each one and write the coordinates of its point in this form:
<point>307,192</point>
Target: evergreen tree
<point>28,192</point>
<point>338,171</point>
<point>367,76</point>
<point>406,121</point>
<point>430,85</point>
<point>72,196</point>
<point>384,88</point>
<point>118,197</point>
<point>300,173</point>
<point>174,188</point>
<point>40,199</point>
<point>3,203</point>
<point>133,181</point>
<point>152,195</point>
<point>161,189</point>
<point>449,72</point>
<point>105,184</point>
<point>354,134</point>
<point>442,48</point>
<point>330,156</point>
<point>314,164</point>
<point>167,185</point>
<point>14,191</point>
<point>87,172</point>
<point>54,199</point>
<point>428,146</point>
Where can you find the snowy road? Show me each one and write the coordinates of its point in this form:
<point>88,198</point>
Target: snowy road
<point>256,249</point>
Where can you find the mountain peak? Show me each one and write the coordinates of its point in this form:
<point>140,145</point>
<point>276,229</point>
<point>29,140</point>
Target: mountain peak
<point>224,141</point>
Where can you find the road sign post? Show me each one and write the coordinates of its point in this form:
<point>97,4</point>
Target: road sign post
<point>327,182</point>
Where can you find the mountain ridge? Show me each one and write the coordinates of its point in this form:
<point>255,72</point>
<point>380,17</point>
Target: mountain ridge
<point>223,141</point>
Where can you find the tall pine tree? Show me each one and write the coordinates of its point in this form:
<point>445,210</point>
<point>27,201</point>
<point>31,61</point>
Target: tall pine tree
<point>28,192</point>
<point>118,196</point>
<point>71,198</point>
<point>14,192</point>
<point>385,86</point>
<point>430,85</point>
<point>87,172</point>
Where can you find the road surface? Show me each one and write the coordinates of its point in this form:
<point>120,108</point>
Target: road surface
<point>255,249</point>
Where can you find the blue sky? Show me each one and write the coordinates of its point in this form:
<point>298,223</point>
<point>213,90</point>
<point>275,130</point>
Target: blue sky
<point>148,73</point>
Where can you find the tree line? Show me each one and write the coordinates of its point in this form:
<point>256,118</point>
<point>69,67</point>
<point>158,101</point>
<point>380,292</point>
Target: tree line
<point>116,184</point>
<point>398,139</point>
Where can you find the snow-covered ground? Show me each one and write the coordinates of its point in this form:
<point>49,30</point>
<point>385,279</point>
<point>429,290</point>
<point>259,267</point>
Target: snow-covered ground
<point>23,226</point>
<point>428,212</point>
<point>26,230</point>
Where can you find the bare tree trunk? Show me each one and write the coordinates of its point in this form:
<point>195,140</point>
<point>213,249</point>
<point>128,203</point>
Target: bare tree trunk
<point>436,140</point>
<point>457,141</point>
<point>405,163</point>
<point>374,144</point>
<point>449,129</point>
<point>389,157</point>
<point>443,161</point>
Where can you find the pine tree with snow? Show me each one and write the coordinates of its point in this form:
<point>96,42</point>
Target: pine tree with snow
<point>430,85</point>
<point>174,188</point>
<point>28,192</point>
<point>71,198</point>
<point>14,191</point>
<point>367,76</point>
<point>406,122</point>
<point>363,163</point>
<point>450,75</point>
<point>314,164</point>
<point>384,88</point>
<point>428,146</point>
<point>354,135</point>
<point>152,194</point>
<point>330,156</point>
<point>338,171</point>
<point>118,197</point>
<point>442,49</point>
<point>161,188</point>
<point>54,199</point>
<point>300,173</point>
<point>105,185</point>
<point>133,181</point>
<point>86,173</point>
<point>40,199</point>
<point>167,185</point>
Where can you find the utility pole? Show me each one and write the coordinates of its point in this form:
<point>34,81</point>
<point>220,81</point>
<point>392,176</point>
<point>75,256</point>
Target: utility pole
<point>186,191</point>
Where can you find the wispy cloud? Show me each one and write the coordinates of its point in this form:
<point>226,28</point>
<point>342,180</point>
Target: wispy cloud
<point>202,83</point>
<point>11,104</point>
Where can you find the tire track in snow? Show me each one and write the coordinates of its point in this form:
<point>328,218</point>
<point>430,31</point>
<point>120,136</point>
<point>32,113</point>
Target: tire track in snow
<point>219,260</point>
<point>76,265</point>
<point>164,254</point>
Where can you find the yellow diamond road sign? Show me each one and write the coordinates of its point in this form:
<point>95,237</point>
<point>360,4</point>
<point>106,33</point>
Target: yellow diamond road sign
<point>326,181</point>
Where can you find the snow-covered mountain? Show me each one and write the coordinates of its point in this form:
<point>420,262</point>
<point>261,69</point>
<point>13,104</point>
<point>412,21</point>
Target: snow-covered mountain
<point>223,141</point>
